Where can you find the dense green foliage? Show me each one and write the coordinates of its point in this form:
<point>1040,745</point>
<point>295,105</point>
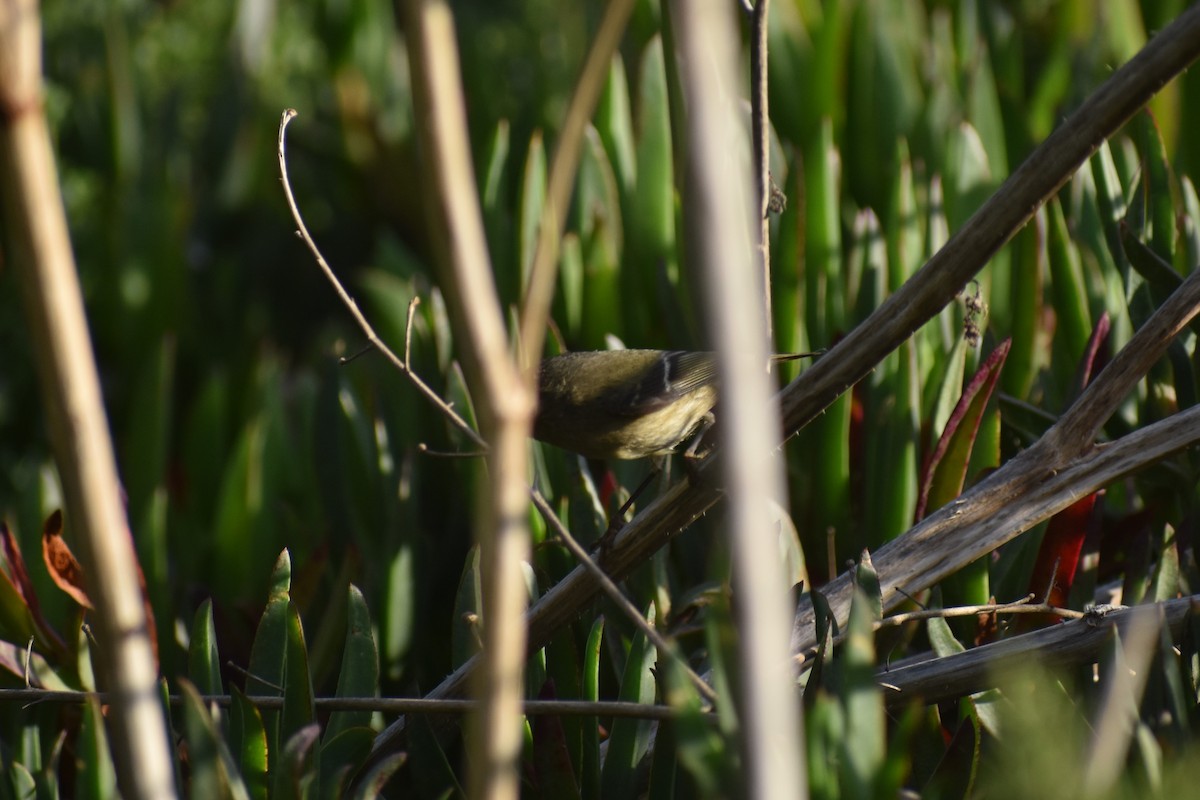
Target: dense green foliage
<point>239,436</point>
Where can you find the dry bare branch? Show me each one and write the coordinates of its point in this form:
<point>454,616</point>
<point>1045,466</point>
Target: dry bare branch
<point>504,399</point>
<point>1073,642</point>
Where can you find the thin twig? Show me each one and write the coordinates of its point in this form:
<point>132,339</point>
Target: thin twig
<point>616,596</point>
<point>979,668</point>
<point>357,354</point>
<point>761,131</point>
<point>426,450</point>
<point>1023,606</point>
<point>250,676</point>
<point>385,705</point>
<point>351,306</point>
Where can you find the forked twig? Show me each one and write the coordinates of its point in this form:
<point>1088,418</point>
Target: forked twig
<point>351,306</point>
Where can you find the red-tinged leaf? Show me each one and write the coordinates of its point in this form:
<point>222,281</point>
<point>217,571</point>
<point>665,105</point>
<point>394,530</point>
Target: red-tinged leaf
<point>67,573</point>
<point>61,563</point>
<point>16,568</point>
<point>20,591</point>
<point>946,472</point>
<point>16,620</point>
<point>1058,557</point>
<point>858,417</point>
<point>607,487</point>
<point>1091,363</point>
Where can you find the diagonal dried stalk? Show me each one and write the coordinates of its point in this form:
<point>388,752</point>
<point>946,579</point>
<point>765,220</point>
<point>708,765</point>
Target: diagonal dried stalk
<point>1074,642</point>
<point>1012,500</point>
<point>1053,473</point>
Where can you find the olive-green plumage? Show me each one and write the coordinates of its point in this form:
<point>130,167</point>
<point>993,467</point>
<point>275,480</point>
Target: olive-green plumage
<point>625,403</point>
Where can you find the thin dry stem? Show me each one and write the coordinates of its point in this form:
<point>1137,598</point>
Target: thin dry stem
<point>384,705</point>
<point>351,306</point>
<point>1069,643</point>
<point>761,132</point>
<point>619,599</point>
<point>1023,606</point>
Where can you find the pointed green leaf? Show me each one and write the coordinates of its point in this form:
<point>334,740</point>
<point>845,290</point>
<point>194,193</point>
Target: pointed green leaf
<point>96,778</point>
<point>359,676</point>
<point>1068,288</point>
<point>248,742</point>
<point>298,708</point>
<point>614,121</point>
<point>204,662</point>
<point>211,767</point>
<point>590,771</point>
<point>630,738</point>
<point>533,198</point>
<point>268,653</point>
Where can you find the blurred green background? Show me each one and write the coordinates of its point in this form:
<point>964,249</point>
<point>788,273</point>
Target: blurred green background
<point>239,435</point>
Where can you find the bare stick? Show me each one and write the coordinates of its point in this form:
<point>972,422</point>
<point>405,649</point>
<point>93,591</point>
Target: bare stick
<point>1072,642</point>
<point>1023,606</point>
<point>761,132</point>
<point>352,307</point>
<point>387,705</point>
<point>619,599</point>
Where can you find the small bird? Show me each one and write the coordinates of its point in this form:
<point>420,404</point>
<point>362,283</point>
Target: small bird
<point>627,403</point>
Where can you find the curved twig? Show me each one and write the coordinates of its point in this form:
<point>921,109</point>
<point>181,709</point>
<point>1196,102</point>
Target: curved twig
<point>351,306</point>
